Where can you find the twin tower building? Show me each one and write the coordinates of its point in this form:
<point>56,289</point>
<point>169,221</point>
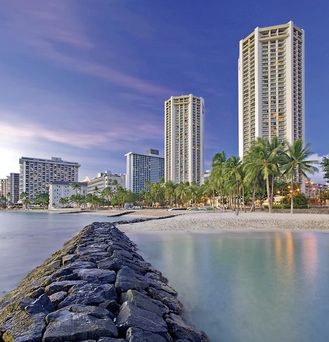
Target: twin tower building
<point>271,104</point>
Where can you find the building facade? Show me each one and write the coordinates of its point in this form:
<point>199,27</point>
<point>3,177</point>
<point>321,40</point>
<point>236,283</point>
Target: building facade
<point>184,131</point>
<point>4,187</point>
<point>143,169</point>
<point>13,185</point>
<point>59,190</point>
<point>36,174</point>
<point>106,180</point>
<point>271,85</point>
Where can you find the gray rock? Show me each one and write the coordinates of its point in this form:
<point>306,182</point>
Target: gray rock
<point>109,264</point>
<point>78,323</point>
<point>62,286</point>
<point>57,297</point>
<point>167,299</point>
<point>110,305</point>
<point>36,293</point>
<point>128,280</point>
<point>145,302</point>
<point>180,330</point>
<point>109,339</point>
<point>40,305</point>
<point>138,335</point>
<point>132,316</point>
<point>23,327</point>
<point>159,285</point>
<point>89,294</point>
<point>68,258</point>
<point>95,275</point>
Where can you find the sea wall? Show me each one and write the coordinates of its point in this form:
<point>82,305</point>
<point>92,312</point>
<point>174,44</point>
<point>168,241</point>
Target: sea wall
<point>97,288</point>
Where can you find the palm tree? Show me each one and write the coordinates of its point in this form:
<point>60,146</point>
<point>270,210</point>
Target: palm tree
<point>76,187</point>
<point>295,164</point>
<point>265,158</point>
<point>25,199</point>
<point>325,165</point>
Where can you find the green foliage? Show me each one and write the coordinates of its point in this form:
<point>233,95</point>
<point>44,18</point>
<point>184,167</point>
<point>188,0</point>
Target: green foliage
<point>41,199</point>
<point>300,201</point>
<point>325,165</point>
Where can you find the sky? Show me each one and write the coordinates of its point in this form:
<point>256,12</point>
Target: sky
<point>86,80</point>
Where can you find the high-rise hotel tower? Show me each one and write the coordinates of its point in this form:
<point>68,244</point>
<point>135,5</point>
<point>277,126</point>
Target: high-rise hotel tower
<point>184,116</point>
<point>271,85</point>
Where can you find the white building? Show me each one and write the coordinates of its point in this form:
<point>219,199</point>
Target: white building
<point>58,190</point>
<point>104,180</point>
<point>36,174</point>
<point>184,127</point>
<point>271,85</point>
<point>143,169</point>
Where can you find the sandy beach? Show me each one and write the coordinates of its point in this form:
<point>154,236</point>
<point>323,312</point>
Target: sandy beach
<point>229,221</point>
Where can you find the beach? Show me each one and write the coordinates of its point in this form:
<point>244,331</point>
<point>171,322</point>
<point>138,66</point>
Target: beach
<point>205,222</point>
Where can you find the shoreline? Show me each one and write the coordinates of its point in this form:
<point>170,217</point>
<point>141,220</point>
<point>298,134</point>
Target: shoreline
<point>230,222</point>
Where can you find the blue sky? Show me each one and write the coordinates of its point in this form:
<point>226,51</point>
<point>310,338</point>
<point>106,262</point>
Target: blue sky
<point>86,80</point>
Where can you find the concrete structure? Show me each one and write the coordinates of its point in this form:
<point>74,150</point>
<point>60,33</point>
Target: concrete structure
<point>184,127</point>
<point>314,190</point>
<point>143,169</point>
<point>58,190</point>
<point>36,174</point>
<point>13,187</point>
<point>104,180</point>
<point>271,85</point>
<point>4,187</point>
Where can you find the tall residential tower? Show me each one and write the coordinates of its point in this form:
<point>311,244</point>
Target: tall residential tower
<point>271,85</point>
<point>184,116</point>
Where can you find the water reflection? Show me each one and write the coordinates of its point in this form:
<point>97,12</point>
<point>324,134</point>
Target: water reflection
<point>248,286</point>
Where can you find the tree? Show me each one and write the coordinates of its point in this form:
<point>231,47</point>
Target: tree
<point>265,157</point>
<point>25,199</point>
<point>296,164</point>
<point>42,199</point>
<point>325,165</point>
<point>63,201</point>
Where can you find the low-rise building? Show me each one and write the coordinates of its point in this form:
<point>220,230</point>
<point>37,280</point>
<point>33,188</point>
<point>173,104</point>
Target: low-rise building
<point>59,190</point>
<point>104,180</point>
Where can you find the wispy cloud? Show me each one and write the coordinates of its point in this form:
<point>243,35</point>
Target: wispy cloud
<point>53,31</point>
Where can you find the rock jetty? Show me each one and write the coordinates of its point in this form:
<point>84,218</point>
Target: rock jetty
<point>96,289</point>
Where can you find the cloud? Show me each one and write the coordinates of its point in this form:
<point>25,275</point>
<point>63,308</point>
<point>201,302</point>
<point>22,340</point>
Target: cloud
<point>318,177</point>
<point>54,32</point>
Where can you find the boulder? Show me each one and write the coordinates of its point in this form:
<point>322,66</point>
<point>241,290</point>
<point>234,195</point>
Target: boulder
<point>132,316</point>
<point>89,294</point>
<point>180,330</point>
<point>139,335</point>
<point>62,286</point>
<point>78,323</point>
<point>41,305</point>
<point>57,297</point>
<point>127,279</point>
<point>23,327</point>
<point>167,299</point>
<point>145,302</point>
<point>95,275</point>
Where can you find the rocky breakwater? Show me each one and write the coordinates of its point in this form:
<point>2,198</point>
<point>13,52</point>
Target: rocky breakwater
<point>97,288</point>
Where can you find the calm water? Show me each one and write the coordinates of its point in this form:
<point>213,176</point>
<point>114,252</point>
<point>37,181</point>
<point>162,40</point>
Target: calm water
<point>27,239</point>
<point>235,286</point>
<point>248,286</point>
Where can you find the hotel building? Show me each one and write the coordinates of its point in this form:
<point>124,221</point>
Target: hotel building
<point>4,187</point>
<point>36,174</point>
<point>143,169</point>
<point>104,180</point>
<point>58,190</point>
<point>184,127</point>
<point>271,85</point>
